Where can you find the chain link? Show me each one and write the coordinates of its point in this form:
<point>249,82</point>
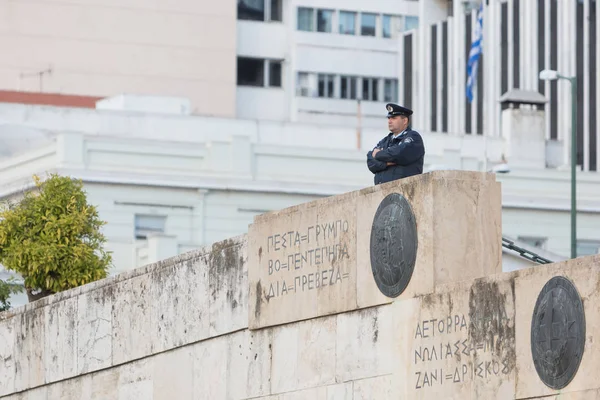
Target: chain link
<point>509,244</point>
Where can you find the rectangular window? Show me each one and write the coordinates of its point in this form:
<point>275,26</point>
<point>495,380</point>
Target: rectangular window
<point>303,84</point>
<point>347,23</point>
<point>587,247</point>
<point>348,87</point>
<point>251,10</point>
<point>368,24</point>
<point>250,71</point>
<point>387,26</point>
<point>370,89</point>
<point>408,70</point>
<point>326,85</point>
<point>147,224</point>
<point>306,19</point>
<point>411,22</point>
<point>434,82</point>
<point>276,11</point>
<point>324,20</point>
<point>390,90</point>
<point>275,73</point>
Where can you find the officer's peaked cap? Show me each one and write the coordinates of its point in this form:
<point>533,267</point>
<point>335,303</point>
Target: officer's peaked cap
<point>395,109</point>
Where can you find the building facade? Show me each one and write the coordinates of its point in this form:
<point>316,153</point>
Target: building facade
<point>105,48</point>
<point>320,61</point>
<point>520,38</point>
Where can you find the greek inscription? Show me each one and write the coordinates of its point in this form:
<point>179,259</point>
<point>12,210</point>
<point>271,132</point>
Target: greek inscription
<point>446,341</point>
<point>313,234</point>
<point>306,260</point>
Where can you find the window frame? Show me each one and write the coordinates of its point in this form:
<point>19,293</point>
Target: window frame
<point>362,15</point>
<point>266,72</point>
<point>354,27</point>
<point>267,12</point>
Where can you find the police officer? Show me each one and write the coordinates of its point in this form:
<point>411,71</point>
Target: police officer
<point>401,152</point>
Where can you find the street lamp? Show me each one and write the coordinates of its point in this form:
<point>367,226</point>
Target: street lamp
<point>551,75</point>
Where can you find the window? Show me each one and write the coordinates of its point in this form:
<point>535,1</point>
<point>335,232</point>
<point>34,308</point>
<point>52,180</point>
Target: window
<point>324,20</point>
<point>587,247</point>
<point>387,26</point>
<point>147,224</point>
<point>347,23</point>
<point>411,23</point>
<point>252,10</point>
<point>348,87</point>
<point>274,73</point>
<point>276,12</point>
<point>258,72</point>
<point>368,23</point>
<point>390,90</point>
<point>259,10</point>
<point>306,19</point>
<point>370,89</point>
<point>326,85</point>
<point>250,71</point>
<point>303,84</point>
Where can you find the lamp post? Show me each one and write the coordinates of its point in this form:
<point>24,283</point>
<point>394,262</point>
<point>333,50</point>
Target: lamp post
<point>551,75</point>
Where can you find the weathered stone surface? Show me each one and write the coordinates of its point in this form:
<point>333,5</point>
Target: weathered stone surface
<point>210,368</point>
<point>364,344</point>
<point>7,356</point>
<point>182,290</point>
<point>60,324</point>
<point>291,280</point>
<point>304,355</point>
<point>331,392</point>
<point>460,342</point>
<point>134,323</point>
<point>178,328</point>
<point>94,330</point>
<point>381,387</point>
<point>173,375</point>
<point>249,358</point>
<point>302,262</point>
<point>30,349</point>
<point>228,287</point>
<point>458,231</point>
<point>585,276</point>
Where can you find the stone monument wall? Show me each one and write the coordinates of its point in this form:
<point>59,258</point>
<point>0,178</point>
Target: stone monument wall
<point>391,292</point>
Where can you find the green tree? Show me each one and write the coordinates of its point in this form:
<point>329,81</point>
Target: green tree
<point>52,238</point>
<point>8,288</point>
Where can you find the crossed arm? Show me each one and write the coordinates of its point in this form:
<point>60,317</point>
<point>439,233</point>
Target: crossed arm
<point>407,152</point>
<point>375,165</point>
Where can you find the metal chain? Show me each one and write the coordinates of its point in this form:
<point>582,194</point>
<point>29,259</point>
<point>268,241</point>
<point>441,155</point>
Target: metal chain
<point>509,244</point>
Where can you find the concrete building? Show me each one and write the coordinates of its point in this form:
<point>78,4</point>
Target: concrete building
<point>312,60</point>
<point>183,48</point>
<point>520,38</point>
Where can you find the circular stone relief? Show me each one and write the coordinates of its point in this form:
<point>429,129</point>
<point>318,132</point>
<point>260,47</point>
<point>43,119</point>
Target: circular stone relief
<point>393,245</point>
<point>557,332</point>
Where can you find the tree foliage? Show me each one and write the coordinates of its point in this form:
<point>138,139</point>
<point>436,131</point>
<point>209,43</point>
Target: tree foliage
<point>52,238</point>
<point>7,288</point>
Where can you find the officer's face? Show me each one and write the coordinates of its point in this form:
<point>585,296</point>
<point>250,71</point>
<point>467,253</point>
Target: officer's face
<point>397,123</point>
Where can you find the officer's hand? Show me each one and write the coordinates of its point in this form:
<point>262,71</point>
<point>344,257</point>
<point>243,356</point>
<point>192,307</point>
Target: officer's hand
<point>389,164</point>
<point>375,151</point>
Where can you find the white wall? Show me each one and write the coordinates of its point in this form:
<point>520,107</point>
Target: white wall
<point>262,103</point>
<point>262,39</point>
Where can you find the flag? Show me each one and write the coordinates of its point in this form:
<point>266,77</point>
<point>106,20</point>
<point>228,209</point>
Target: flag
<point>474,54</point>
